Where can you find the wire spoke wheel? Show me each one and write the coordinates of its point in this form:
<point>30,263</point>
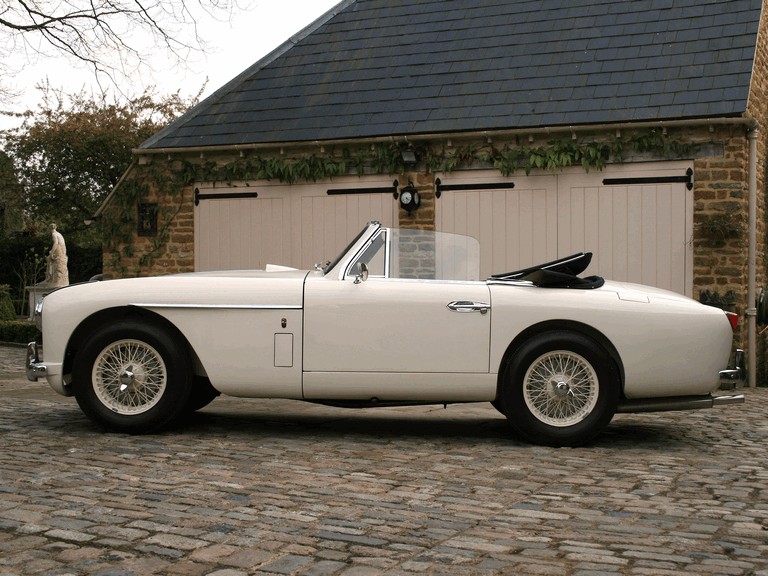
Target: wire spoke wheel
<point>129,377</point>
<point>133,376</point>
<point>561,388</point>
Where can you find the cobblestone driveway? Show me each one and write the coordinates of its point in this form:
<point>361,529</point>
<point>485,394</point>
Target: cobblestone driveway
<point>265,487</point>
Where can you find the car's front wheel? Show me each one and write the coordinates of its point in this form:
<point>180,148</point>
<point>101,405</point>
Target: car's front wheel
<point>132,377</point>
<point>560,389</point>
<point>203,393</point>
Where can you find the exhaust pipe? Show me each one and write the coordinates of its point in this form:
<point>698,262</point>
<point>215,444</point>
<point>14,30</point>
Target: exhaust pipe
<point>678,403</point>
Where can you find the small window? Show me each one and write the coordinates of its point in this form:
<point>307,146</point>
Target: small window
<point>374,257</point>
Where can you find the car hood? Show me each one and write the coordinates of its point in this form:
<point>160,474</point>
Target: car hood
<point>225,289</point>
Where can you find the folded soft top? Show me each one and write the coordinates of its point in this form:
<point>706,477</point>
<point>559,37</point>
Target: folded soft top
<point>561,273</point>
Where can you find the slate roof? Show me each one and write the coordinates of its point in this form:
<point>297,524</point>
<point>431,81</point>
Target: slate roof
<point>372,68</point>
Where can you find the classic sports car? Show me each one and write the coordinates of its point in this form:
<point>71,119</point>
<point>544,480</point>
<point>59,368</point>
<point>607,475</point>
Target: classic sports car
<point>400,317</point>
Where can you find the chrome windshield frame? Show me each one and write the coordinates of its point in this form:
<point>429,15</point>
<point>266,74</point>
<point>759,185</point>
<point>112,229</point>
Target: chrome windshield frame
<point>385,232</point>
<point>341,265</point>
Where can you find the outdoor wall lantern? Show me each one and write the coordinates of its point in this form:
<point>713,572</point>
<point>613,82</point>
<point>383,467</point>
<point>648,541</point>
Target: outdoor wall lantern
<point>409,156</point>
<point>147,221</point>
<point>409,198</point>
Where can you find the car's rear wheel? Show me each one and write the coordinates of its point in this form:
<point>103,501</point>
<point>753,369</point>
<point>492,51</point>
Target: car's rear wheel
<point>132,377</point>
<point>560,389</point>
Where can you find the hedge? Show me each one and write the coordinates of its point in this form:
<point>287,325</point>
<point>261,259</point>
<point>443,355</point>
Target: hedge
<point>7,311</point>
<point>18,331</point>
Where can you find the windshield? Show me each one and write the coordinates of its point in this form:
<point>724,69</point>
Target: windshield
<point>419,254</point>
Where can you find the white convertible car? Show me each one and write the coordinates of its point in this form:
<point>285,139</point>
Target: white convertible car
<point>400,317</point>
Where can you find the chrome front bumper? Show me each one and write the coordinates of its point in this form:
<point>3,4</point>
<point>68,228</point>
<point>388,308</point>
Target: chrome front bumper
<point>35,367</point>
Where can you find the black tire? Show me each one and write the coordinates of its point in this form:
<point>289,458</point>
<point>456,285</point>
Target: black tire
<point>203,393</point>
<point>560,389</point>
<point>132,377</point>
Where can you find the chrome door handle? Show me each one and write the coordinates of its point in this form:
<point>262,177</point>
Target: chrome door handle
<point>469,306</point>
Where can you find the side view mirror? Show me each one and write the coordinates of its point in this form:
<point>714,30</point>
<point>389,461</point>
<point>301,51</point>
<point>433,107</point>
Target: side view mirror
<point>363,276</point>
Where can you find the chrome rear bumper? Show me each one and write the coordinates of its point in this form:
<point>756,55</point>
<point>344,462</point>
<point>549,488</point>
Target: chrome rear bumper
<point>730,376</point>
<point>35,367</point>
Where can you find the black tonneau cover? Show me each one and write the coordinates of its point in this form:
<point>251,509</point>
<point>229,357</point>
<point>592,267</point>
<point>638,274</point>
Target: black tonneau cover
<point>561,273</point>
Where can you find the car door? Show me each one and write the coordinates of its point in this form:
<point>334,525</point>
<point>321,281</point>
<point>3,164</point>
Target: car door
<point>395,338</point>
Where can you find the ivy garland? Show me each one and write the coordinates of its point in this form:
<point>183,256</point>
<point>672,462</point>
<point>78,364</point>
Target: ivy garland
<point>171,179</point>
<point>386,158</point>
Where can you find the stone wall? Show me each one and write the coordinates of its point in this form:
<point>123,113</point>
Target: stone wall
<point>721,196</point>
<point>164,246</point>
<point>757,108</point>
<point>721,208</point>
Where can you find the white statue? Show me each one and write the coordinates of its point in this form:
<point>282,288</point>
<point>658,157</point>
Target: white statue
<point>56,273</point>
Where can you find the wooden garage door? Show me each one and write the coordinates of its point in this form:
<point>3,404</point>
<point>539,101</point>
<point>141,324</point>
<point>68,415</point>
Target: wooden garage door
<point>636,220</point>
<point>293,226</point>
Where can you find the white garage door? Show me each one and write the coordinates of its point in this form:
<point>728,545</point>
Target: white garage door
<point>248,227</point>
<point>637,220</point>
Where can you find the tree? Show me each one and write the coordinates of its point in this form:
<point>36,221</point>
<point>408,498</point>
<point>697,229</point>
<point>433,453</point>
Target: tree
<point>11,199</point>
<point>72,151</point>
<point>113,38</point>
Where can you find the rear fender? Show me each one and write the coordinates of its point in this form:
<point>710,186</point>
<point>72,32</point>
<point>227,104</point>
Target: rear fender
<point>560,326</point>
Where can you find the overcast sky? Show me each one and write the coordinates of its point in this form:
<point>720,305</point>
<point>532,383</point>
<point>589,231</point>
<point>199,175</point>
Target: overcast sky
<point>234,47</point>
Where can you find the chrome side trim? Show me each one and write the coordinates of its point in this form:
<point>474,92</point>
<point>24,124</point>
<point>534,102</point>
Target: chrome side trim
<point>35,368</point>
<point>525,283</point>
<point>677,403</point>
<point>219,306</point>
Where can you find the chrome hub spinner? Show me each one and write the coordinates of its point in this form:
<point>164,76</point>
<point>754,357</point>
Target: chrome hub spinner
<point>561,389</point>
<point>127,378</point>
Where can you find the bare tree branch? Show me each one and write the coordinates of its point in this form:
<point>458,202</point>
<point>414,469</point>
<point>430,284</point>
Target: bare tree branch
<point>114,38</point>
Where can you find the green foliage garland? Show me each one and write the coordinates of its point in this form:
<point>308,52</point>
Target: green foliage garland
<point>554,156</point>
<point>386,158</point>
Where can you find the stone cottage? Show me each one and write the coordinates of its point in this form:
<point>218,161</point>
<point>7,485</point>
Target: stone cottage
<point>629,129</point>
